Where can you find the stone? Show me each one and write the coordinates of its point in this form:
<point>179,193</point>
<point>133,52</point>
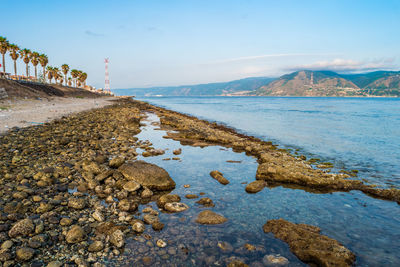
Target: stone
<point>25,254</point>
<point>77,203</point>
<point>44,207</point>
<point>157,226</point>
<point>206,202</point>
<point>7,245</point>
<point>147,261</point>
<point>217,175</point>
<point>96,246</point>
<point>164,199</point>
<point>177,151</point>
<point>225,247</point>
<point>249,247</point>
<point>191,196</point>
<point>210,217</point>
<point>138,226</point>
<point>116,162</point>
<point>146,193</point>
<point>255,186</point>
<point>176,207</point>
<point>98,216</point>
<point>150,218</point>
<point>65,222</point>
<point>117,238</point>
<point>306,242</point>
<point>131,186</point>
<point>22,228</point>
<point>237,263</point>
<point>54,264</point>
<point>147,174</point>
<point>127,205</point>
<point>75,235</point>
<point>161,243</point>
<point>275,260</point>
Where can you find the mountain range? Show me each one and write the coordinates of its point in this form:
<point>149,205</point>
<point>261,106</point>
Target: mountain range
<point>299,83</point>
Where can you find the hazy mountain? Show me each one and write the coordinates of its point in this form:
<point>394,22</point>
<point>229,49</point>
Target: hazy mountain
<point>237,87</point>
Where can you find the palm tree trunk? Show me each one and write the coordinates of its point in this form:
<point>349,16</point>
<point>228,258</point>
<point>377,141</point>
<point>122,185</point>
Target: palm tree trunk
<point>35,73</point>
<point>65,79</point>
<point>15,67</point>
<point>27,76</point>
<point>44,73</point>
<point>4,65</point>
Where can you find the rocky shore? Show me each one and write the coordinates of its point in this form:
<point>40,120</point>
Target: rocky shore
<point>71,188</point>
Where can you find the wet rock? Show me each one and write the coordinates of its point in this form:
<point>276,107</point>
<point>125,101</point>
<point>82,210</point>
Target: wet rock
<point>150,218</point>
<point>55,264</point>
<point>177,151</point>
<point>191,196</point>
<point>161,243</point>
<point>77,203</point>
<point>138,226</point>
<point>25,254</point>
<point>255,186</point>
<point>157,226</point>
<point>306,242</point>
<point>5,256</point>
<point>176,207</point>
<point>117,238</point>
<point>237,263</point>
<point>44,207</point>
<point>22,228</point>
<point>186,185</point>
<point>96,246</point>
<point>65,222</point>
<point>92,167</point>
<point>116,162</point>
<point>75,235</point>
<point>131,186</point>
<point>249,247</point>
<point>206,202</point>
<point>210,217</point>
<point>225,247</point>
<point>217,175</point>
<point>164,199</point>
<point>127,205</point>
<point>147,261</point>
<point>275,260</point>
<point>98,216</point>
<point>147,174</point>
<point>146,193</point>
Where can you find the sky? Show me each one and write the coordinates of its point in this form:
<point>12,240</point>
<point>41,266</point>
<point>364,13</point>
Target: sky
<point>177,42</point>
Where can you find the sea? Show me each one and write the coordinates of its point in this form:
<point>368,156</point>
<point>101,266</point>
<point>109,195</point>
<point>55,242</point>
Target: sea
<point>360,134</point>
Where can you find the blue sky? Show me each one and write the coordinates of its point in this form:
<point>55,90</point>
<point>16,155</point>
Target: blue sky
<point>153,43</point>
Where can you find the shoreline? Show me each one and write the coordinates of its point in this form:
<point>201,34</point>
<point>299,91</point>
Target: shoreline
<point>72,180</point>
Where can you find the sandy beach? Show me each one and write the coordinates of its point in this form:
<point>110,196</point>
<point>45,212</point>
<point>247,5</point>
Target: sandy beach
<point>22,113</point>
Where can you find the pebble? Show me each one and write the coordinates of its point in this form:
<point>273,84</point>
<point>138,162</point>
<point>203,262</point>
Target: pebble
<point>161,243</point>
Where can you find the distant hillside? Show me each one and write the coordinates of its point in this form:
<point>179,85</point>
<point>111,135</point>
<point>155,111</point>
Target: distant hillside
<point>328,83</point>
<point>238,87</point>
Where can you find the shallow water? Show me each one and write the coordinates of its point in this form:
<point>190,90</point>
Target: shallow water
<point>367,226</point>
<point>352,133</point>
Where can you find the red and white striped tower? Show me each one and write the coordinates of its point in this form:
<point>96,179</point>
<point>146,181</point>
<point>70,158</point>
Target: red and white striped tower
<point>107,78</point>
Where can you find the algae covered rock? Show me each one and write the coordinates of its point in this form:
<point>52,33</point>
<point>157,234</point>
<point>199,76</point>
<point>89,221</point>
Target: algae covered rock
<point>306,242</point>
<point>255,186</point>
<point>147,174</point>
<point>210,217</point>
<point>217,175</point>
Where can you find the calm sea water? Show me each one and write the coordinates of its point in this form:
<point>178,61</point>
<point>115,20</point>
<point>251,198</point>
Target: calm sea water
<point>353,133</point>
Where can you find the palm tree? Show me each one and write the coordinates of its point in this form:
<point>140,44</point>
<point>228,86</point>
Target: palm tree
<point>13,48</point>
<point>56,74</point>
<point>65,69</point>
<point>69,81</point>
<point>4,46</point>
<point>43,59</point>
<point>26,56</point>
<point>50,73</point>
<point>35,61</point>
<point>82,78</point>
<point>74,74</point>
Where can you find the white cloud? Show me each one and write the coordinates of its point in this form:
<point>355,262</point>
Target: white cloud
<point>348,65</point>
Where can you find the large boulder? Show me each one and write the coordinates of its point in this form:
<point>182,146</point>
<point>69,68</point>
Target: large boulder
<point>306,242</point>
<point>147,174</point>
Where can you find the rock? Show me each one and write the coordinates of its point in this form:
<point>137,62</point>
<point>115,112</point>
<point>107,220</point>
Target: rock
<point>237,263</point>
<point>54,264</point>
<point>96,246</point>
<point>146,193</point>
<point>131,186</point>
<point>77,203</point>
<point>138,226</point>
<point>275,260</point>
<point>92,167</point>
<point>161,243</point>
<point>150,218</point>
<point>7,245</point>
<point>177,151</point>
<point>22,228</point>
<point>217,175</point>
<point>206,202</point>
<point>191,196</point>
<point>255,186</point>
<point>44,207</point>
<point>127,205</point>
<point>157,226</point>
<point>98,216</point>
<point>306,242</point>
<point>249,247</point>
<point>25,254</point>
<point>116,162</point>
<point>147,261</point>
<point>117,238</point>
<point>176,207</point>
<point>225,247</point>
<point>5,256</point>
<point>65,222</point>
<point>164,199</point>
<point>186,185</point>
<point>210,217</point>
<point>147,174</point>
<point>75,235</point>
